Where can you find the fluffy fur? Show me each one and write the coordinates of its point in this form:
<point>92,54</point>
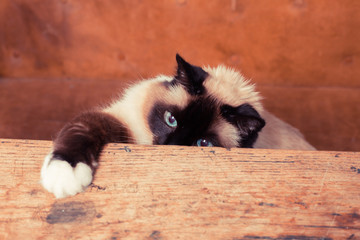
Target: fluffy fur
<point>60,178</point>
<point>204,107</point>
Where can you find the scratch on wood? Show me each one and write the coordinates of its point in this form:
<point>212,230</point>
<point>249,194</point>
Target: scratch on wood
<point>71,212</point>
<point>155,235</point>
<point>351,237</point>
<point>301,204</point>
<point>336,214</point>
<point>335,227</point>
<point>249,161</point>
<point>323,178</point>
<point>126,148</point>
<point>346,219</point>
<point>354,169</point>
<point>208,154</point>
<point>287,237</point>
<point>332,221</point>
<point>267,204</point>
<point>97,187</point>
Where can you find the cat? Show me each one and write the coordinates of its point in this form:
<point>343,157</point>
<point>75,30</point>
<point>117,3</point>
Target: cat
<point>197,107</point>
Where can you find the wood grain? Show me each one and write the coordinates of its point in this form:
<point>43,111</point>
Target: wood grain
<point>172,192</point>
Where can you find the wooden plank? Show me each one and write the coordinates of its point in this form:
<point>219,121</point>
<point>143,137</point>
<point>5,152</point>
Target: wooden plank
<point>172,192</point>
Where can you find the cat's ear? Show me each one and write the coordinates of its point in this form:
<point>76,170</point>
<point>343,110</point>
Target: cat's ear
<point>190,76</point>
<point>248,121</point>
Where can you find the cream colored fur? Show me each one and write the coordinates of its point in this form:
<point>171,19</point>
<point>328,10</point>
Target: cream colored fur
<point>232,88</point>
<point>130,109</point>
<point>224,84</point>
<point>133,108</point>
<point>278,134</point>
<point>228,134</point>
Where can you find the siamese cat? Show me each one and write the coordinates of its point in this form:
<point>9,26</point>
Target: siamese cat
<point>197,107</point>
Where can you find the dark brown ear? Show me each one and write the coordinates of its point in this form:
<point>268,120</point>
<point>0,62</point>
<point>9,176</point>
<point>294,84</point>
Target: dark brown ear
<point>247,119</point>
<point>190,76</point>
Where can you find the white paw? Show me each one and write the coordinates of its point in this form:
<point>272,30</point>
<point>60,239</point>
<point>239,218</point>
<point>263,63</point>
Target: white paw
<point>61,179</point>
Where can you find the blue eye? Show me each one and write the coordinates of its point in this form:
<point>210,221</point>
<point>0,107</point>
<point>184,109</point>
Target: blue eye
<point>204,143</point>
<point>170,119</point>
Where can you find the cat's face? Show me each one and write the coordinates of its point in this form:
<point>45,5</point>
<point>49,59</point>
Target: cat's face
<point>211,107</point>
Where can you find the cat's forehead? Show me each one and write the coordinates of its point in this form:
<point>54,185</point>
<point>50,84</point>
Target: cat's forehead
<point>223,86</point>
<point>230,87</point>
<point>175,95</point>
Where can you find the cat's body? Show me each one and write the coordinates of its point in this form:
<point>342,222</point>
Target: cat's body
<point>204,107</point>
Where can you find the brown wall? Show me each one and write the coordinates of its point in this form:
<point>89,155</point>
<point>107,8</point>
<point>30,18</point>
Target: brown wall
<point>58,57</point>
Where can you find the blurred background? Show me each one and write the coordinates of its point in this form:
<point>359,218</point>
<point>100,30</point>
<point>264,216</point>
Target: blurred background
<point>60,57</point>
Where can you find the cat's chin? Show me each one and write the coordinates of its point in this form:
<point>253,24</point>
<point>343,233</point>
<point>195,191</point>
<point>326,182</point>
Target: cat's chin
<point>61,179</point>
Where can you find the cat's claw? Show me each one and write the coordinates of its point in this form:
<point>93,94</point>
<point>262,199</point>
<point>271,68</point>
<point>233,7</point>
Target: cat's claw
<point>61,179</point>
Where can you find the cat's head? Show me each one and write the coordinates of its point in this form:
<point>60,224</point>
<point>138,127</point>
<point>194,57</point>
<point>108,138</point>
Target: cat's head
<point>204,107</point>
